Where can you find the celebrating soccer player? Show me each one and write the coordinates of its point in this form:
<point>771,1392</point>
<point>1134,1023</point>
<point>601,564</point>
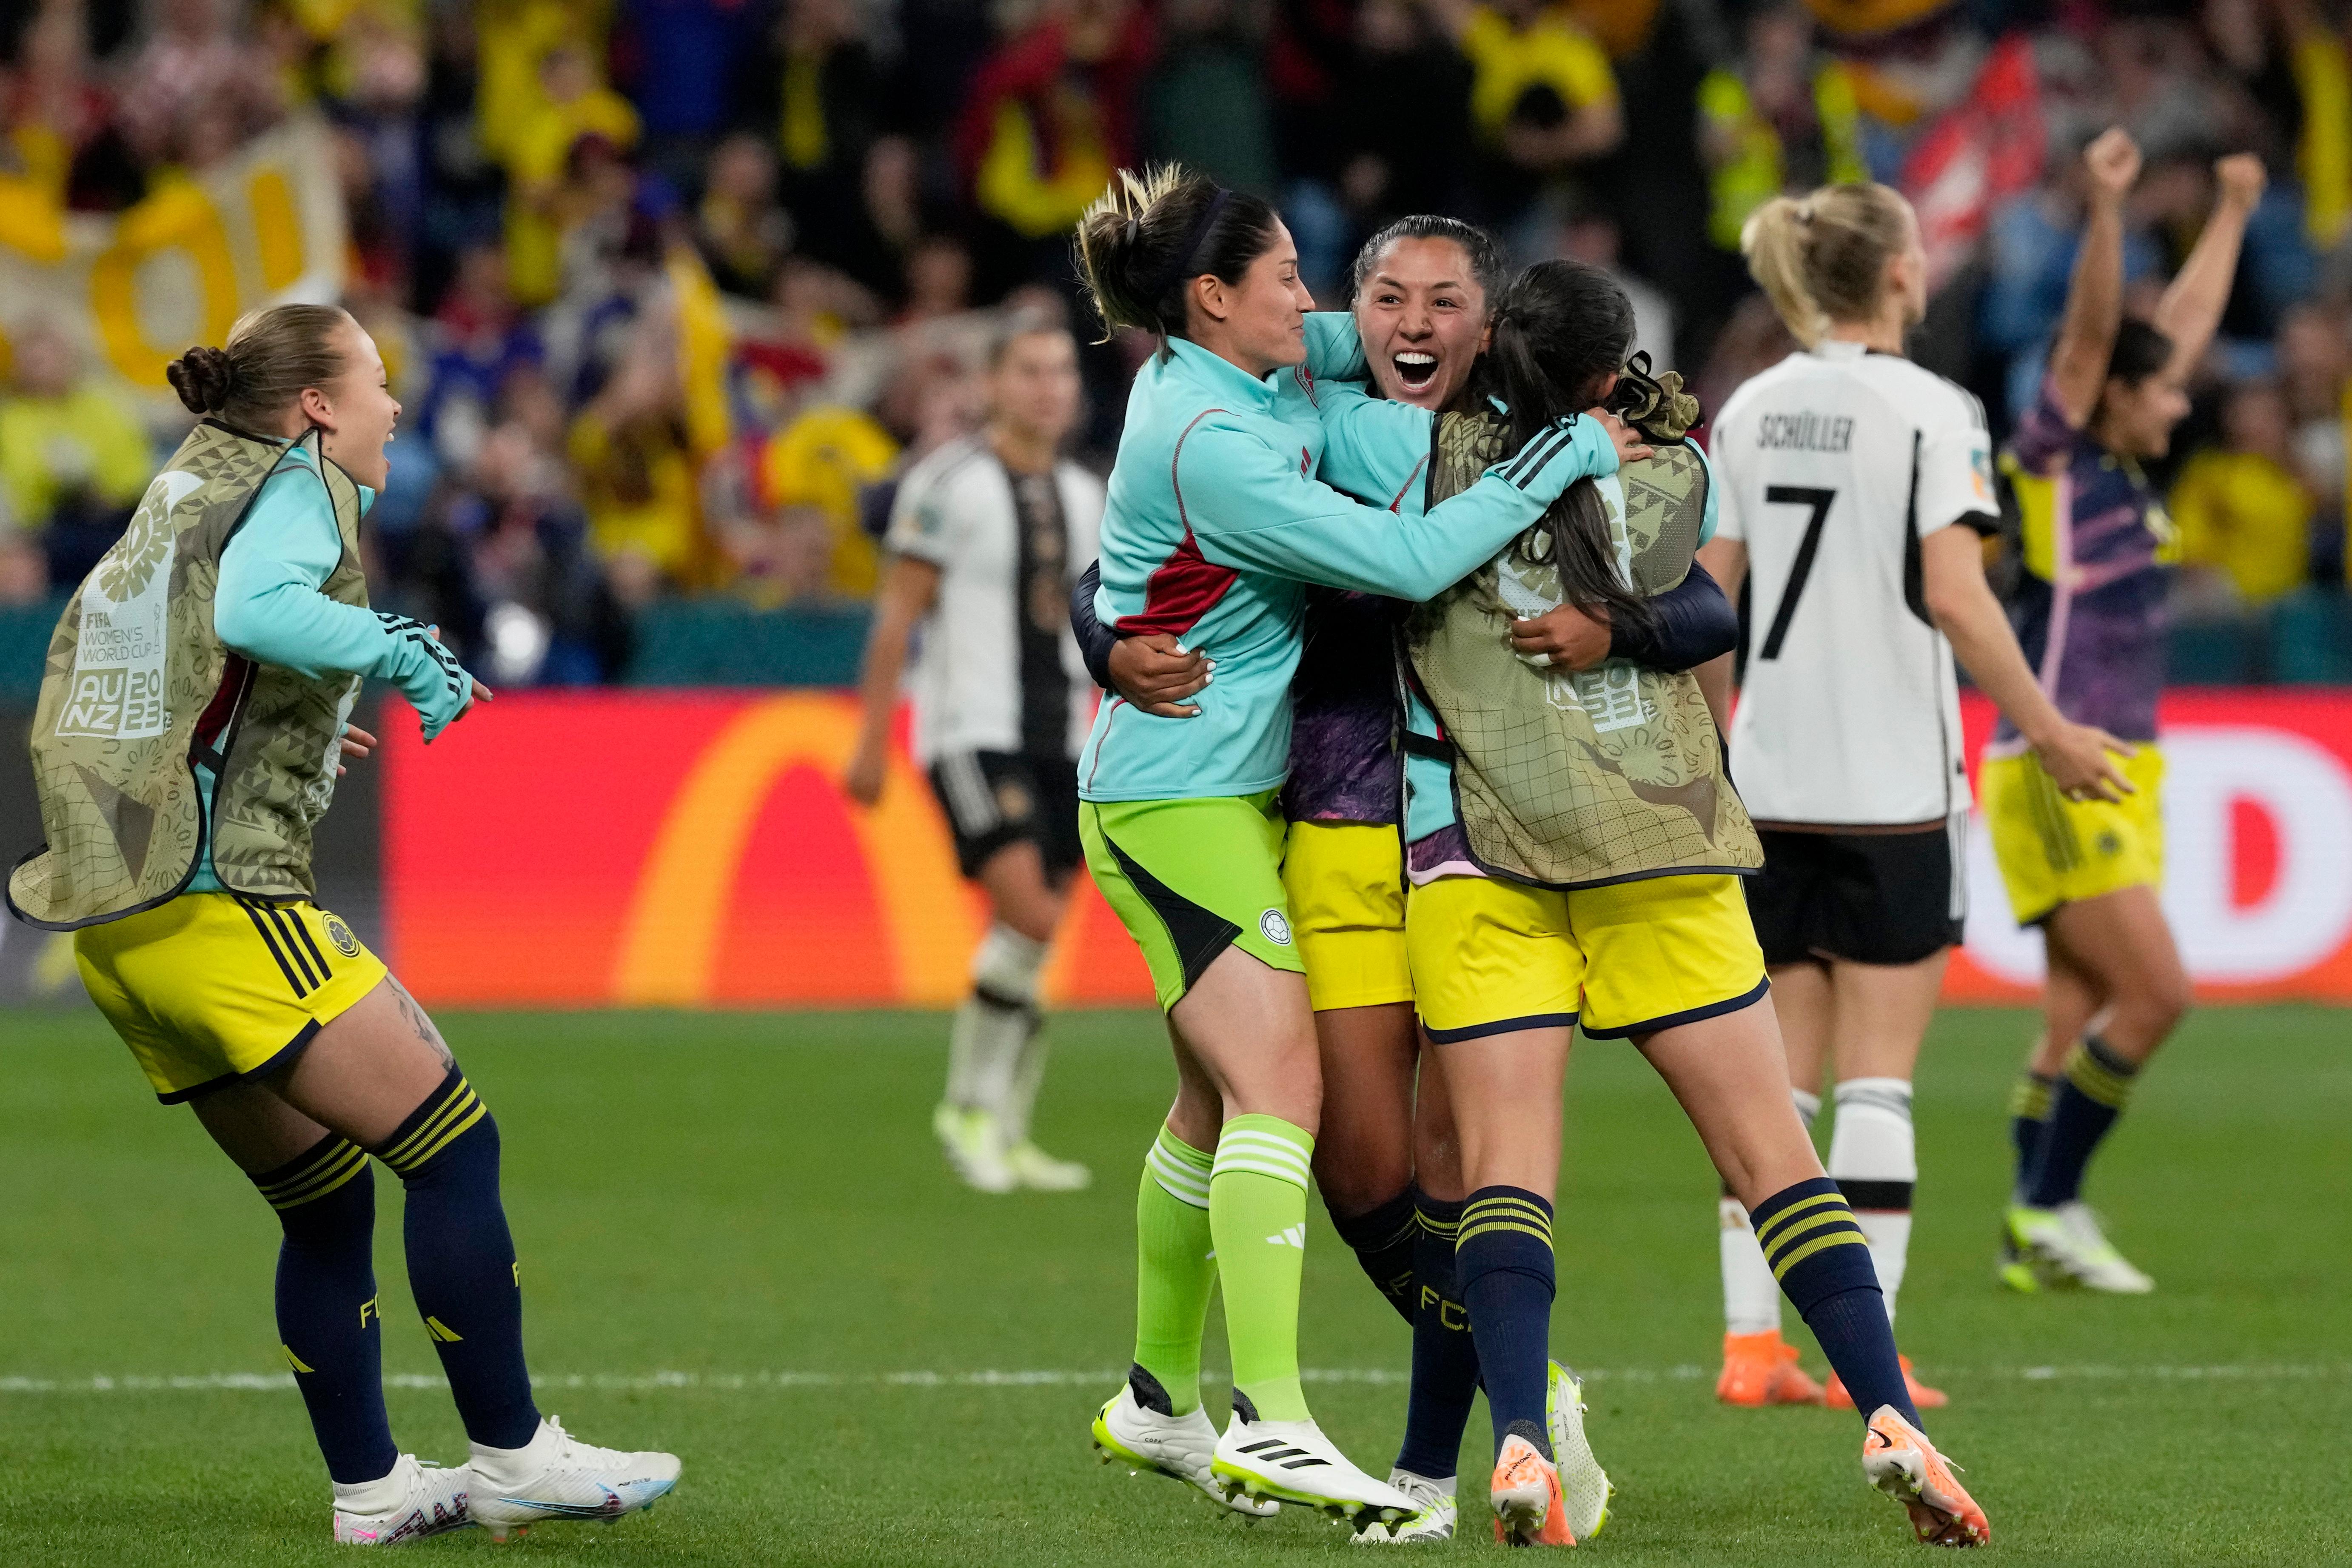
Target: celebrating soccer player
<point>190,731</point>
<point>984,538</point>
<point>2085,864</point>
<point>1215,521</point>
<point>1856,494</point>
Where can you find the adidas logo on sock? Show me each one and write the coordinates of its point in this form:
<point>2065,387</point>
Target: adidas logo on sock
<point>1294,1235</point>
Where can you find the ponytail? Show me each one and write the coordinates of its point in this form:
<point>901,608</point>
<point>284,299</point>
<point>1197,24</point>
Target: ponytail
<point>1822,258</point>
<point>1149,235</point>
<point>272,356</point>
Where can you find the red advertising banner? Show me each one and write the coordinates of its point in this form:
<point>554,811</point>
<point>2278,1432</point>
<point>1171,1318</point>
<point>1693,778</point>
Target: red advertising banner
<point>693,848</point>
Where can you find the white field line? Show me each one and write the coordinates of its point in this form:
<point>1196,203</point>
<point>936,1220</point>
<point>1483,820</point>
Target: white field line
<point>764,1382</point>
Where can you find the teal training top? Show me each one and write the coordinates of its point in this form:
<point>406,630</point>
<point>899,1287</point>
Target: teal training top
<point>267,607</point>
<point>1215,521</point>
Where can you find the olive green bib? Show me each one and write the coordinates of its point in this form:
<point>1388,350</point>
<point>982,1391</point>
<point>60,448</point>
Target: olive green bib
<point>1575,778</point>
<point>138,687</point>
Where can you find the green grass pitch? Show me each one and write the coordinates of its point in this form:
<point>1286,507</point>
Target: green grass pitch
<point>738,1243</point>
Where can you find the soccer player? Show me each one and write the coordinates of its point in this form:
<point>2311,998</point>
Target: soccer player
<point>1858,492</point>
<point>187,742</point>
<point>2083,865</point>
<point>1592,881</point>
<point>1215,520</point>
<point>986,537</point>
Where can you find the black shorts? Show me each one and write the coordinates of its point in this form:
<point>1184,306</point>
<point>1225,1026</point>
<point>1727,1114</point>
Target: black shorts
<point>1867,898</point>
<point>996,798</point>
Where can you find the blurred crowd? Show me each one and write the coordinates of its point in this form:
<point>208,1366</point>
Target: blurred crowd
<point>670,289</point>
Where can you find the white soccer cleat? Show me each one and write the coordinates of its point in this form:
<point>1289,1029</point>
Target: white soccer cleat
<point>1583,1485</point>
<point>1432,1521</point>
<point>555,1476</point>
<point>1132,1432</point>
<point>974,1142</point>
<point>416,1500</point>
<point>1293,1462</point>
<point>2065,1246</point>
<point>1041,1172</point>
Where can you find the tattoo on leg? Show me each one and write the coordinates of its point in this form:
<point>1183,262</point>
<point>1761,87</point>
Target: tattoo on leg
<point>421,1023</point>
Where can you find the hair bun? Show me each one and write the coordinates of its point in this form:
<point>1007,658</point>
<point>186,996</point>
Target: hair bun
<point>203,378</point>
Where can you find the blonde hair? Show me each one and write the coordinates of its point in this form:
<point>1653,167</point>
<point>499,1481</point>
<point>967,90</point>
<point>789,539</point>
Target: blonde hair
<point>1822,257</point>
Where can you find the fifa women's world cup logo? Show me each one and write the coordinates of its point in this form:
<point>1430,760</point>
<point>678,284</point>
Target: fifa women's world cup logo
<point>118,683</point>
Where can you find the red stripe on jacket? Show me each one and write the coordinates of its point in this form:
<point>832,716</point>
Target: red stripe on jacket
<point>1187,585</point>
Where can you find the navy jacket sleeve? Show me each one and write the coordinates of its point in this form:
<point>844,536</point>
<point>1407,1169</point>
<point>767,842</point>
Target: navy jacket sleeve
<point>1094,639</point>
<point>1693,623</point>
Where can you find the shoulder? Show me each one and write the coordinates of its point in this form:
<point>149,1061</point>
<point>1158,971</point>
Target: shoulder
<point>1076,478</point>
<point>1932,402</point>
<point>942,471</point>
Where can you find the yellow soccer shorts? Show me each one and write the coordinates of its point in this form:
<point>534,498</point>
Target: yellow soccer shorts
<point>1491,956</point>
<point>1346,884</point>
<point>212,989</point>
<point>2054,851</point>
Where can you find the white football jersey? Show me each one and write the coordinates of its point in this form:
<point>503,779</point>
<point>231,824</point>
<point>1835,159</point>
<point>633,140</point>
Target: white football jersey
<point>1831,466</point>
<point>995,667</point>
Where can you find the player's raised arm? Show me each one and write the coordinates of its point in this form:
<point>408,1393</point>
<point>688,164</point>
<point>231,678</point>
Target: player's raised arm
<point>2192,304</point>
<point>2094,299</point>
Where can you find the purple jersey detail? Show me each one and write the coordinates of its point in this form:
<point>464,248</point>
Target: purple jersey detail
<point>2095,637</point>
<point>1445,853</point>
<point>1343,713</point>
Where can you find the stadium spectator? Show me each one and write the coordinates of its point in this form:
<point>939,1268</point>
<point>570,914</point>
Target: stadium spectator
<point>822,460</point>
<point>2244,515</point>
<point>73,459</point>
<point>1780,118</point>
<point>1543,99</point>
<point>197,88</point>
<point>743,234</point>
<point>1204,104</point>
<point>679,61</point>
<point>2314,359</point>
<point>558,150</point>
<point>817,96</point>
<point>637,480</point>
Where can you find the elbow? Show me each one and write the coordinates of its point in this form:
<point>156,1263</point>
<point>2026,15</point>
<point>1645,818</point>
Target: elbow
<point>236,625</point>
<point>1949,604</point>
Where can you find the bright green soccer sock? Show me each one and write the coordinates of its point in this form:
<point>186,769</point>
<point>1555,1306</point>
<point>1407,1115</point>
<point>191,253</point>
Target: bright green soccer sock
<point>1175,1271</point>
<point>1257,1211</point>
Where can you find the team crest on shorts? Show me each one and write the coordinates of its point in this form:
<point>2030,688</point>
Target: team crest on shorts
<point>1274,928</point>
<point>1013,801</point>
<point>341,935</point>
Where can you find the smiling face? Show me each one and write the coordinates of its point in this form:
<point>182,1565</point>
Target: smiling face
<point>1422,317</point>
<point>356,410</point>
<point>1260,322</point>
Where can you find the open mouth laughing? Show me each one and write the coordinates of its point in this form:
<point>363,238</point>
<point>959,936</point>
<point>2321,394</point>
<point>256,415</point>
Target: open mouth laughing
<point>1414,369</point>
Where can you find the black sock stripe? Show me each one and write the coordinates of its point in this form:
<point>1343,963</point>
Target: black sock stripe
<point>1879,1197</point>
<point>270,942</point>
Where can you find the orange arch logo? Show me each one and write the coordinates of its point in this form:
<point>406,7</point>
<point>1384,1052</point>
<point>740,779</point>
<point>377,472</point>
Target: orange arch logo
<point>670,939</point>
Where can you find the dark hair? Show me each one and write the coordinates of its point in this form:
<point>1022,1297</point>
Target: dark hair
<point>1561,329</point>
<point>1482,250</point>
<point>2139,352</point>
<point>1151,233</point>
<point>270,357</point>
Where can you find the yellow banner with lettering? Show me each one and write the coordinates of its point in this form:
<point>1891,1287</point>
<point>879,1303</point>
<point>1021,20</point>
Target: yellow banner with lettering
<point>135,288</point>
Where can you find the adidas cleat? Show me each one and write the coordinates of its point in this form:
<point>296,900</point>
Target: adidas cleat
<point>1898,1460</point>
<point>416,1500</point>
<point>1136,1430</point>
<point>1583,1485</point>
<point>557,1477</point>
<point>2066,1247</point>
<point>1528,1508</point>
<point>1922,1397</point>
<point>1433,1522</point>
<point>1762,1369</point>
<point>973,1142</point>
<point>1039,1171</point>
<point>1293,1462</point>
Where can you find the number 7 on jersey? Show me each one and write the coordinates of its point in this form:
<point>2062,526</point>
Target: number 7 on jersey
<point>1803,567</point>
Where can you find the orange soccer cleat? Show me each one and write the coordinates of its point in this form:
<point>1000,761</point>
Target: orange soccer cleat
<point>1898,1460</point>
<point>1528,1508</point>
<point>1762,1369</point>
<point>1924,1398</point>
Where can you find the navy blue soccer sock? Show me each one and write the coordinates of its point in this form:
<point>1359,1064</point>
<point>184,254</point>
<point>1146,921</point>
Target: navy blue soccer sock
<point>2029,1118</point>
<point>2092,1096</point>
<point>328,1324</point>
<point>1444,1356</point>
<point>461,1260</point>
<point>1821,1259</point>
<point>1503,1258</point>
<point>1383,1243</point>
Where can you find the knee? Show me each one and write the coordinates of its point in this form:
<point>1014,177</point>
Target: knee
<point>453,1131</point>
<point>1355,1178</point>
<point>325,1197</point>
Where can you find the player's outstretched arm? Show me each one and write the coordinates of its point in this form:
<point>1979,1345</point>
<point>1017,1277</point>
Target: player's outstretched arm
<point>1961,603</point>
<point>2095,298</point>
<point>2190,310</point>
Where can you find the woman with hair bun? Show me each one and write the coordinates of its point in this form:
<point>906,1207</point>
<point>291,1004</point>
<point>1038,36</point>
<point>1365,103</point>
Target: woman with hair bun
<point>1214,524</point>
<point>191,728</point>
